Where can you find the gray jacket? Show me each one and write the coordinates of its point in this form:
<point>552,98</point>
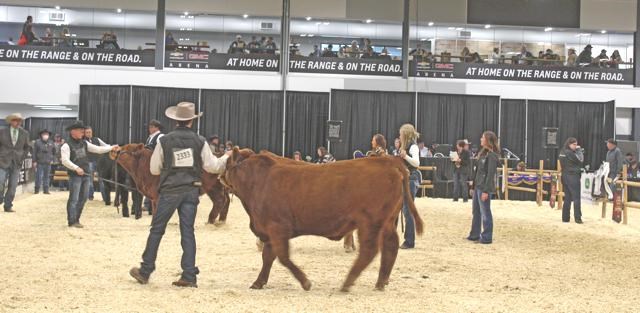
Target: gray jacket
<point>43,152</point>
<point>10,154</point>
<point>616,161</point>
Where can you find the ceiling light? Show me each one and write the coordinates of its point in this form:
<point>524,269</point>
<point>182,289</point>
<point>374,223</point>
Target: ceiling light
<point>368,21</point>
<point>186,13</point>
<point>451,28</point>
<point>603,31</point>
<point>318,23</point>
<point>245,15</point>
<point>308,18</point>
<point>189,29</point>
<point>56,109</point>
<point>487,26</point>
<point>326,23</point>
<point>310,35</point>
<point>423,39</point>
<point>459,28</point>
<point>119,10</point>
<point>548,29</point>
<point>303,35</point>
<point>430,24</point>
<point>57,7</point>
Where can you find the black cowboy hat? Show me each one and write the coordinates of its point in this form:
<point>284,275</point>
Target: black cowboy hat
<point>76,125</point>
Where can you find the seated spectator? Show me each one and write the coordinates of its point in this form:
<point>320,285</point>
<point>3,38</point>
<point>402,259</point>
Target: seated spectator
<point>228,146</point>
<point>465,55</point>
<point>521,166</point>
<point>615,59</point>
<point>369,54</point>
<point>475,58</point>
<point>367,44</point>
<point>494,57</point>
<point>633,171</point>
<point>353,51</point>
<point>297,156</point>
<point>316,52</point>
<point>169,42</point>
<point>328,52</point>
<point>254,45</point>
<point>109,41</point>
<point>572,57</point>
<point>524,56</point>
<point>324,156</point>
<point>602,58</point>
<point>237,46</point>
<point>47,40</point>
<point>418,53</point>
<point>342,53</point>
<point>424,151</point>
<point>385,54</point>
<point>270,46</point>
<point>396,147</point>
<point>65,39</point>
<point>585,58</point>
<point>445,57</point>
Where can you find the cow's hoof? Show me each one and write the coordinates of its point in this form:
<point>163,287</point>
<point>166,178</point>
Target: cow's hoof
<point>257,285</point>
<point>345,289</point>
<point>219,223</point>
<point>306,285</point>
<point>349,249</point>
<point>380,286</point>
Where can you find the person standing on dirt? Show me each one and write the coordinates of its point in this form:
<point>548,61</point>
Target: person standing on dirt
<point>571,161</point>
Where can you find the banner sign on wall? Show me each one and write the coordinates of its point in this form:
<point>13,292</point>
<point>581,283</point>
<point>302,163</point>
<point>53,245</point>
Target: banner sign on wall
<point>378,67</point>
<point>562,74</point>
<point>40,54</point>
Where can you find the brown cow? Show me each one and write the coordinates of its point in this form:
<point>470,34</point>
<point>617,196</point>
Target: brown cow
<point>135,159</point>
<point>284,201</point>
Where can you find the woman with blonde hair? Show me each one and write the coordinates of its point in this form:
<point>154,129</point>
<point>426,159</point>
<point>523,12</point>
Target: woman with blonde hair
<point>410,153</point>
<point>485,185</point>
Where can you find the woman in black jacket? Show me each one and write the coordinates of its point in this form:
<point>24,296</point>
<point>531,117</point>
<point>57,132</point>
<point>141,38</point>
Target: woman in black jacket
<point>485,185</point>
<point>571,159</point>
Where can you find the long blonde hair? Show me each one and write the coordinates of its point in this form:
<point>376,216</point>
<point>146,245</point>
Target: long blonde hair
<point>408,136</point>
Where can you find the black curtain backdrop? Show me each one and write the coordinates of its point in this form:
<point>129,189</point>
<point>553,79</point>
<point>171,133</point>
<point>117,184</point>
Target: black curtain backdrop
<point>55,125</point>
<point>251,119</point>
<point>150,103</point>
<point>446,118</point>
<point>590,123</point>
<point>306,122</point>
<point>106,109</point>
<point>365,113</point>
<point>513,118</point>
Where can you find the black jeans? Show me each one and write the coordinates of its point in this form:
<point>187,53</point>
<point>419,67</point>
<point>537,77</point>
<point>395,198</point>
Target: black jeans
<point>460,185</point>
<point>571,188</point>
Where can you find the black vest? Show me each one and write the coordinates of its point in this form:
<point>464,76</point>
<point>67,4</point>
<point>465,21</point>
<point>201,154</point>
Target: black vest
<point>409,166</point>
<point>182,164</point>
<point>92,156</point>
<point>79,155</point>
<point>151,144</point>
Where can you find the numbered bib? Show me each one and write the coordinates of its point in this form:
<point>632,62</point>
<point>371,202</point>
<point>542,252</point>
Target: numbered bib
<point>183,157</point>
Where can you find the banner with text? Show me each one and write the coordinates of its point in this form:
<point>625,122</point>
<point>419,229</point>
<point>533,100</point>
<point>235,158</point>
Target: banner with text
<point>378,67</point>
<point>39,54</point>
<point>563,74</point>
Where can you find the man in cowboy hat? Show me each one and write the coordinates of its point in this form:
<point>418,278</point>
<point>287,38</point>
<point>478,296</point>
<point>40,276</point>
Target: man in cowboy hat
<point>43,153</point>
<point>74,155</point>
<point>155,133</point>
<point>179,159</point>
<point>14,146</point>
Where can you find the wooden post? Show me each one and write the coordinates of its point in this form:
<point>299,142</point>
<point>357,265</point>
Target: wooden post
<point>625,194</point>
<point>540,184</point>
<point>505,178</point>
<point>559,187</point>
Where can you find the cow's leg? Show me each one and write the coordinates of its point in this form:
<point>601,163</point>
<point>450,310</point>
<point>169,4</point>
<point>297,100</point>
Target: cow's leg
<point>368,239</point>
<point>225,208</point>
<point>349,244</point>
<point>390,246</point>
<point>218,202</point>
<point>124,199</point>
<point>281,248</point>
<point>268,256</point>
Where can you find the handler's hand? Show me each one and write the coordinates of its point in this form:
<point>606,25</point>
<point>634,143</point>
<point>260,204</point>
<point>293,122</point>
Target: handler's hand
<point>403,154</point>
<point>229,153</point>
<point>115,148</point>
<point>80,171</point>
<point>485,196</point>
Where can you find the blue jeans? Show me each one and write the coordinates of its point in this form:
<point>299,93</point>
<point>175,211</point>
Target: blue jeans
<point>92,171</point>
<point>187,205</point>
<point>78,191</point>
<point>43,172</point>
<point>460,186</point>
<point>12,175</point>
<point>410,226</point>
<point>481,218</point>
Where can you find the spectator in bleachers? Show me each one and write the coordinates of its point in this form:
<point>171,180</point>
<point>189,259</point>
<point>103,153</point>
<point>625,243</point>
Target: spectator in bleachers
<point>237,46</point>
<point>263,41</point>
<point>28,36</point>
<point>324,156</point>
<point>572,57</point>
<point>48,37</point>
<point>585,56</point>
<point>270,46</point>
<point>342,53</point>
<point>109,41</point>
<point>228,146</point>
<point>385,54</point>
<point>297,156</point>
<point>524,56</point>
<point>328,52</point>
<point>378,145</point>
<point>353,51</point>
<point>396,147</point>
<point>316,52</point>
<point>419,54</point>
<point>633,171</point>
<point>628,158</point>
<point>465,55</point>
<point>254,45</point>
<point>170,42</point>
<point>65,42</point>
<point>494,57</point>
<point>424,151</point>
<point>615,59</point>
<point>369,54</point>
<point>602,59</point>
<point>214,144</point>
<point>367,44</point>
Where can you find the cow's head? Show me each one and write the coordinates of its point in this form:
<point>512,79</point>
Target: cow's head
<point>238,155</point>
<point>129,156</point>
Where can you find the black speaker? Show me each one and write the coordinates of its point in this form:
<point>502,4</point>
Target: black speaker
<point>550,137</point>
<point>334,130</point>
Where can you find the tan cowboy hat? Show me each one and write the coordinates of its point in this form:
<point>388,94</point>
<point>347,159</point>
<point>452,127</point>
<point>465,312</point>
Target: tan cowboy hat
<point>14,116</point>
<point>183,111</point>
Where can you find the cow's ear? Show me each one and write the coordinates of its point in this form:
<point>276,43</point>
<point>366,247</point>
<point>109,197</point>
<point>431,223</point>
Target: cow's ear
<point>235,154</point>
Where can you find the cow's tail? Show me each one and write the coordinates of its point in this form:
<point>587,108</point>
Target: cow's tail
<point>408,199</point>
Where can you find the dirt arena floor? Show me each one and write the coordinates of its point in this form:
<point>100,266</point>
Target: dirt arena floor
<point>536,264</point>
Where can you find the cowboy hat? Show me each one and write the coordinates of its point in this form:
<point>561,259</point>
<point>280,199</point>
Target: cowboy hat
<point>14,116</point>
<point>76,125</point>
<point>183,111</point>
